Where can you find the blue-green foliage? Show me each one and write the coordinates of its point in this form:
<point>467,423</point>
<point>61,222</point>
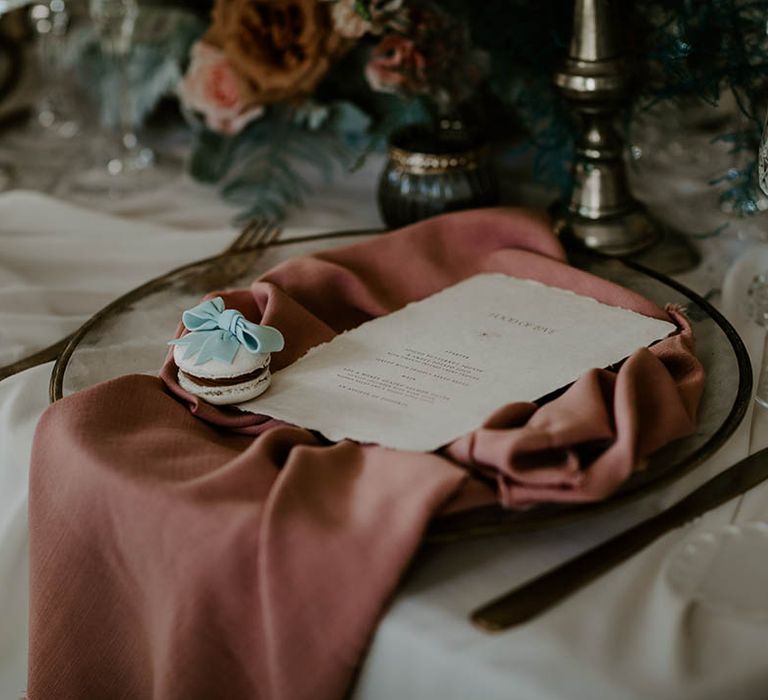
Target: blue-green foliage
<point>702,49</point>
<point>264,169</point>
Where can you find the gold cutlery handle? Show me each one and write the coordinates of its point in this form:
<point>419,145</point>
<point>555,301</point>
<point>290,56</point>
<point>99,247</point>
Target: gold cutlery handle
<point>538,595</point>
<point>525,602</point>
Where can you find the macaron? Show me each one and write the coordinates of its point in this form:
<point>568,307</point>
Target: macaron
<point>219,382</point>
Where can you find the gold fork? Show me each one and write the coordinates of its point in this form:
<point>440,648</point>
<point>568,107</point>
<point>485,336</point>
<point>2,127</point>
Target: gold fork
<point>257,233</point>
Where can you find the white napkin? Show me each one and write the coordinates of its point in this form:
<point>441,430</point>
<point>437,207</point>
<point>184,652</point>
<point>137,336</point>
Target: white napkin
<point>23,397</point>
<point>59,264</point>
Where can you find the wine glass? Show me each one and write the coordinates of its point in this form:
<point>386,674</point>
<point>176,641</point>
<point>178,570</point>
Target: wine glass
<point>55,112</point>
<point>128,161</point>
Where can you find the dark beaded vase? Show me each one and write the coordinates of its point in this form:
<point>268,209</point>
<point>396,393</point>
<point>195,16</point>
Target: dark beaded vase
<point>432,172</point>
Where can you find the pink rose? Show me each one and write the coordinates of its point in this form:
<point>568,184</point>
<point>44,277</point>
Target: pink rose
<point>397,66</point>
<point>212,87</point>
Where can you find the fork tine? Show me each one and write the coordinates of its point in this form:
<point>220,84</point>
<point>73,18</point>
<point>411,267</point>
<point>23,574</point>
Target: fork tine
<point>253,233</point>
<point>245,232</point>
<point>253,229</point>
<point>262,233</point>
<point>267,229</point>
<point>271,236</point>
<point>267,232</point>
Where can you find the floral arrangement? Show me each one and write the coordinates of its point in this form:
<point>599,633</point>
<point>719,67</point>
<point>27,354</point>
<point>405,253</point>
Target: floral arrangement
<point>261,53</point>
<point>266,87</point>
<point>275,86</point>
<point>256,54</point>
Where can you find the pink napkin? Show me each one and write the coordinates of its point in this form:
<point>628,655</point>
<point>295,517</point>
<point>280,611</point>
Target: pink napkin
<point>175,555</point>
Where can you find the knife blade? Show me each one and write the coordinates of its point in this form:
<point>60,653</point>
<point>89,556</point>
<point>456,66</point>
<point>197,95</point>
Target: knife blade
<point>523,603</point>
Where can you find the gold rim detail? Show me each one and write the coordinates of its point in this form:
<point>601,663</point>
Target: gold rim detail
<point>436,164</point>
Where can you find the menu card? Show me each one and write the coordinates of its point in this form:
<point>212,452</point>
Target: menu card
<point>422,376</point>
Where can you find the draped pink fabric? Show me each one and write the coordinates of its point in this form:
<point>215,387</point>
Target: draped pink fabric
<point>183,551</point>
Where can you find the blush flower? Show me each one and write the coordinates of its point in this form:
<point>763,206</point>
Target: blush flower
<point>396,65</point>
<point>212,87</point>
<point>347,21</point>
<point>352,22</point>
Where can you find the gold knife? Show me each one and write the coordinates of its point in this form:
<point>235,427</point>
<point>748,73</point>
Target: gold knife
<point>525,602</point>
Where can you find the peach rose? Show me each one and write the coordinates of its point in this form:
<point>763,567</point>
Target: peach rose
<point>397,66</point>
<point>282,47</point>
<point>212,87</point>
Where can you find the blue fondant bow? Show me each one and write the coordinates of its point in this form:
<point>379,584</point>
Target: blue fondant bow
<point>216,333</point>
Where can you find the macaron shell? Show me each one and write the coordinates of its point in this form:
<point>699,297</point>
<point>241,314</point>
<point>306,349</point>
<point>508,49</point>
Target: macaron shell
<point>244,362</point>
<point>222,395</point>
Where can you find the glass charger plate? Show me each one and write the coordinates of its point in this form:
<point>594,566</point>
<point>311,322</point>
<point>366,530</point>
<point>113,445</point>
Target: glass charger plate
<point>130,335</point>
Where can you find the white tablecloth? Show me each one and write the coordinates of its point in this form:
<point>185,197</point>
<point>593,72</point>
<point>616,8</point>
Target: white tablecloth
<point>626,636</point>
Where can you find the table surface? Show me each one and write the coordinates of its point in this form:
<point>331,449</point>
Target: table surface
<point>62,257</point>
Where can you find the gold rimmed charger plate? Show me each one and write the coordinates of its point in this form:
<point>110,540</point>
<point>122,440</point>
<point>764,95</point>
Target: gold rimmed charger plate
<point>130,335</point>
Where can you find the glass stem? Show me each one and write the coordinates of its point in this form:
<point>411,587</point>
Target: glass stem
<point>45,63</point>
<point>128,141</point>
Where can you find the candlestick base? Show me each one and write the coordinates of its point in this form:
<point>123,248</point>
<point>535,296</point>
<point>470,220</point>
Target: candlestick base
<point>634,235</point>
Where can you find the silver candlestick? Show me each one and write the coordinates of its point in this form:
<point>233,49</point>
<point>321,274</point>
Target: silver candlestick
<point>601,213</point>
